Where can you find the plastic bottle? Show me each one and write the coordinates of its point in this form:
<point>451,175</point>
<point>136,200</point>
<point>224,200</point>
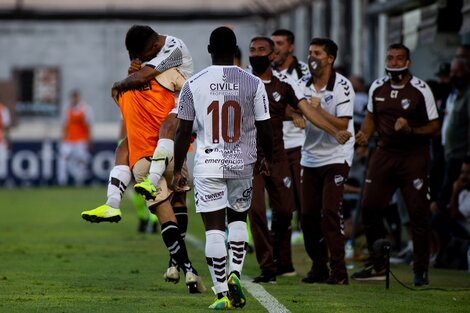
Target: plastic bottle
<point>349,254</point>
<point>468,259</point>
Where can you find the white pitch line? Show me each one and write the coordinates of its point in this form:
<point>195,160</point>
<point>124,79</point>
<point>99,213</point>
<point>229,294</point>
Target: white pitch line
<point>264,298</point>
<point>256,290</point>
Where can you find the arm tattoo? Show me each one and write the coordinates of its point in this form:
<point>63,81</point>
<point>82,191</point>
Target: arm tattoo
<point>130,82</point>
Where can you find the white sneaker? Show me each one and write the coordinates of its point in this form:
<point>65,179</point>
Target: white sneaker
<point>172,275</point>
<point>194,283</point>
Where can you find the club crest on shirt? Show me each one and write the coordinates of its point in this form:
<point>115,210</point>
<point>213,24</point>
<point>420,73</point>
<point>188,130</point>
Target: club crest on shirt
<point>287,181</point>
<point>276,96</point>
<point>418,183</point>
<point>405,104</point>
<point>339,180</point>
<point>328,99</point>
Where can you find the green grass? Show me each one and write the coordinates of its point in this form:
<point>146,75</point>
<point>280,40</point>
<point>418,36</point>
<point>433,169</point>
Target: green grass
<point>53,261</point>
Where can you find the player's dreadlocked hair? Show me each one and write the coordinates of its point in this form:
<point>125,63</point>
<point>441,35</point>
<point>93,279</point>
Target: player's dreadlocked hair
<point>139,38</point>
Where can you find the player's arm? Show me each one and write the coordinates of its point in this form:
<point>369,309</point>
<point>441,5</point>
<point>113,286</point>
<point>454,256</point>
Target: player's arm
<point>265,137</point>
<point>314,116</point>
<point>182,142</point>
<point>295,116</point>
<point>136,79</point>
<point>340,123</point>
<point>367,129</point>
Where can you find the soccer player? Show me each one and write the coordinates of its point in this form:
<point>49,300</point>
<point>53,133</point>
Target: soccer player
<point>325,166</point>
<point>229,107</point>
<point>159,53</point>
<point>402,109</point>
<point>73,152</point>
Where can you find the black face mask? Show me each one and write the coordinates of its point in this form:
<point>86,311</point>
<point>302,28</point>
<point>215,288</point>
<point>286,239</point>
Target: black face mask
<point>396,74</point>
<point>313,64</point>
<point>458,82</point>
<point>260,63</point>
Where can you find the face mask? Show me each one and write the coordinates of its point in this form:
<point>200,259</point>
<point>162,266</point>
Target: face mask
<point>458,82</point>
<point>396,74</point>
<point>313,64</point>
<point>260,63</point>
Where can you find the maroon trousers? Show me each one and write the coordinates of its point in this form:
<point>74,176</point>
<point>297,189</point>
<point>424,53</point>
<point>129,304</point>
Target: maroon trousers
<point>272,248</point>
<point>386,173</point>
<point>322,217</point>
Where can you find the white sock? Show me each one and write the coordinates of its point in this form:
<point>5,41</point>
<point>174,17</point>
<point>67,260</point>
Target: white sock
<point>237,243</point>
<point>216,256</point>
<point>119,179</point>
<point>162,155</point>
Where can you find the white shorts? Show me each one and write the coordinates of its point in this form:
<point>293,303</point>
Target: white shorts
<point>213,194</point>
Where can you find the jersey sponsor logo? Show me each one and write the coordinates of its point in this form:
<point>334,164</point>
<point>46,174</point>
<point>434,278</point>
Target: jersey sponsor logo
<point>339,180</point>
<point>224,88</point>
<point>418,183</point>
<point>246,196</point>
<point>405,103</point>
<point>247,192</point>
<point>394,94</point>
<point>212,197</point>
<point>276,96</point>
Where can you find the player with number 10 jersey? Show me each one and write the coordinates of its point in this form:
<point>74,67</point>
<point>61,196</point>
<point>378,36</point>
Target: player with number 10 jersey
<point>232,100</point>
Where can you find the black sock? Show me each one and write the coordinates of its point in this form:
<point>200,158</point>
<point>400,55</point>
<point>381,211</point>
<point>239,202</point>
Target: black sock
<point>176,246</point>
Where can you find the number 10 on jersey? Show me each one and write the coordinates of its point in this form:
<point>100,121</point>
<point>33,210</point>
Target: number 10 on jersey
<point>230,120</point>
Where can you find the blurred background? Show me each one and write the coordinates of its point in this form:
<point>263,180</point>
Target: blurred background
<point>49,48</point>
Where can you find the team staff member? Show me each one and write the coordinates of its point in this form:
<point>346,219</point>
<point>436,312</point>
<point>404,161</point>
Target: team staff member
<point>293,128</point>
<point>282,91</point>
<point>325,165</point>
<point>402,109</point>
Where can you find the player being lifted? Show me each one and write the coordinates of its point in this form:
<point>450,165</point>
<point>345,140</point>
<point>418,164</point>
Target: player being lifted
<point>160,54</point>
<point>144,111</point>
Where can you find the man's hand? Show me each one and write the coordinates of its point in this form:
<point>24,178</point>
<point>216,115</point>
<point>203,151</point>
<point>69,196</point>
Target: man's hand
<point>265,168</point>
<point>180,183</point>
<point>361,138</point>
<point>401,126</point>
<point>298,120</point>
<point>315,102</point>
<point>136,64</point>
<point>343,136</point>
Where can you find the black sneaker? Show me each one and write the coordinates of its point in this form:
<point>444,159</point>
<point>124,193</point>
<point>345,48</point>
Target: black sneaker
<point>369,273</point>
<point>266,277</point>
<point>312,278</point>
<point>421,279</point>
<point>287,271</point>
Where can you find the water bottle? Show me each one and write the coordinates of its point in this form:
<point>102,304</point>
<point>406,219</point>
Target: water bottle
<point>349,254</point>
<point>468,259</point>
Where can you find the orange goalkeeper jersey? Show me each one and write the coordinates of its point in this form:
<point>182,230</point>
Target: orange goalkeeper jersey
<point>144,110</point>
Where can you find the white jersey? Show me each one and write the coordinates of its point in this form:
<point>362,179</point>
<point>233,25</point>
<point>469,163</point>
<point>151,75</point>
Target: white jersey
<point>294,136</point>
<point>320,148</point>
<point>224,102</point>
<point>173,54</point>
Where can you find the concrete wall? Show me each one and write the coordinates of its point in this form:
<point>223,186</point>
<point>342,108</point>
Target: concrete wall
<point>91,56</point>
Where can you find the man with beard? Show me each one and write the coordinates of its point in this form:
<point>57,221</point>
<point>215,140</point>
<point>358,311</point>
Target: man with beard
<point>402,109</point>
<point>282,91</point>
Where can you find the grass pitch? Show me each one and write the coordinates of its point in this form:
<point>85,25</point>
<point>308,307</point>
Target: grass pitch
<point>53,261</point>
